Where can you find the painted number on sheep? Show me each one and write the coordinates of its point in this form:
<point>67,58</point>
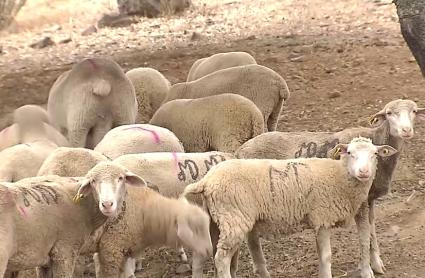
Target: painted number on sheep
<point>285,172</point>
<point>213,160</point>
<point>191,166</point>
<point>40,194</point>
<point>311,149</point>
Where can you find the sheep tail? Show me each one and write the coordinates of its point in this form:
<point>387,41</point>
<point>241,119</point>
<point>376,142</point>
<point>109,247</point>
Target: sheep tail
<point>194,188</point>
<point>101,87</point>
<point>284,91</point>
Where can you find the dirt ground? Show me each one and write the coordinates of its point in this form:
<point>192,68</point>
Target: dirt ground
<point>343,60</point>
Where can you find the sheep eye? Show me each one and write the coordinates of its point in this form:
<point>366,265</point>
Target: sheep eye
<point>389,113</point>
<point>349,153</point>
<point>415,111</point>
<point>120,179</point>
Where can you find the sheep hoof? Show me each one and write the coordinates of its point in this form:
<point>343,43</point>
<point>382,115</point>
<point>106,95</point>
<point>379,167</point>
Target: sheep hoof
<point>377,264</point>
<point>366,272</point>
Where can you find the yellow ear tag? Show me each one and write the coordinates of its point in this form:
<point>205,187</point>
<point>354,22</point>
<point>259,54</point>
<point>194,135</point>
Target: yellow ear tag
<point>373,120</point>
<point>336,152</point>
<point>77,198</point>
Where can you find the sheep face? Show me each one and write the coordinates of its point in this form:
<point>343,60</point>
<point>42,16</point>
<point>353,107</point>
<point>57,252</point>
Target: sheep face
<point>193,230</point>
<point>400,115</point>
<point>108,181</point>
<point>361,157</point>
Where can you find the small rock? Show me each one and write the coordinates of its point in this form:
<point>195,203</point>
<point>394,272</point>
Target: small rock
<point>195,36</point>
<point>183,268</point>
<point>90,30</point>
<point>297,59</point>
<point>252,37</point>
<point>45,42</point>
<point>67,40</point>
<point>334,94</point>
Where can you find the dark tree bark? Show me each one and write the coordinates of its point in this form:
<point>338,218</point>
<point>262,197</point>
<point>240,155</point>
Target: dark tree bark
<point>8,10</point>
<point>411,15</point>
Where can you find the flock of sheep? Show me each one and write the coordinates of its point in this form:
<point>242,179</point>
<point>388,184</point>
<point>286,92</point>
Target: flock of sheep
<point>124,161</point>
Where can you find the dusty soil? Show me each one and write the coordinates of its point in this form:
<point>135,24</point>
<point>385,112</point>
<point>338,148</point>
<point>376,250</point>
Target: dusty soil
<point>350,49</point>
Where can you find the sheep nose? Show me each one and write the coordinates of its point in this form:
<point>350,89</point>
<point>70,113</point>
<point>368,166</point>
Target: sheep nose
<point>407,129</point>
<point>364,171</point>
<point>107,204</point>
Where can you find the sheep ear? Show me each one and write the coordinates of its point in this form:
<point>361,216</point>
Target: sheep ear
<point>338,150</point>
<point>134,180</point>
<point>377,119</point>
<point>385,150</point>
<point>421,113</point>
<point>84,190</point>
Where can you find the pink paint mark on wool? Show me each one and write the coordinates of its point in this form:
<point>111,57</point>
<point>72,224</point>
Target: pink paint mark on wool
<point>22,211</point>
<point>155,134</point>
<point>92,63</point>
<point>175,158</point>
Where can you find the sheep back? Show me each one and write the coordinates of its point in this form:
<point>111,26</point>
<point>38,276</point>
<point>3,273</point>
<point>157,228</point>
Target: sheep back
<point>151,88</point>
<point>220,122</point>
<point>138,138</point>
<point>205,66</point>
<point>70,162</point>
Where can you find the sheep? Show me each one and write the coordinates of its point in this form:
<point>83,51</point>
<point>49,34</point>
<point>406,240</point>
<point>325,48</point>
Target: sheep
<point>151,89</point>
<point>30,123</point>
<point>70,162</point>
<point>138,138</point>
<point>172,172</point>
<point>218,61</point>
<point>151,220</point>
<point>392,125</point>
<point>88,100</point>
<point>267,89</point>
<point>222,122</point>
<point>261,197</point>
<point>47,228</point>
<point>24,160</point>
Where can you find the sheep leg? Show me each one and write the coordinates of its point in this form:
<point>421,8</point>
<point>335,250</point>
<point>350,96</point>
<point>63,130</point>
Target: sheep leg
<point>182,254</point>
<point>257,255</point>
<point>198,265</point>
<point>4,259</point>
<point>323,242</point>
<point>223,259</point>
<point>234,264</point>
<point>363,229</point>
<point>63,265</point>
<point>77,136</point>
<point>109,263</point>
<point>376,262</point>
<point>273,118</point>
<point>97,133</point>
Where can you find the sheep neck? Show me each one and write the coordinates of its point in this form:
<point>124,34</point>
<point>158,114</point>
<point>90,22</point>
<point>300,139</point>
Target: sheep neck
<point>386,166</point>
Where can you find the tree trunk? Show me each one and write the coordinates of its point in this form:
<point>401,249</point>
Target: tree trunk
<point>411,15</point>
<point>8,11</point>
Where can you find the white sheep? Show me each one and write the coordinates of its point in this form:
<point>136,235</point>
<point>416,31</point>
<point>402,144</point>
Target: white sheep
<point>30,123</point>
<point>88,100</point>
<point>392,125</point>
<point>172,172</point>
<point>219,61</point>
<point>138,138</point>
<point>46,228</point>
<point>222,122</point>
<point>260,197</point>
<point>70,162</point>
<point>266,88</point>
<point>151,89</point>
<point>24,160</point>
<point>152,220</point>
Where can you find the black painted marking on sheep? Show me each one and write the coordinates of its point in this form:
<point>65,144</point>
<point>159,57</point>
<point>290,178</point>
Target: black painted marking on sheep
<point>311,149</point>
<point>193,170</point>
<point>213,160</point>
<point>39,193</point>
